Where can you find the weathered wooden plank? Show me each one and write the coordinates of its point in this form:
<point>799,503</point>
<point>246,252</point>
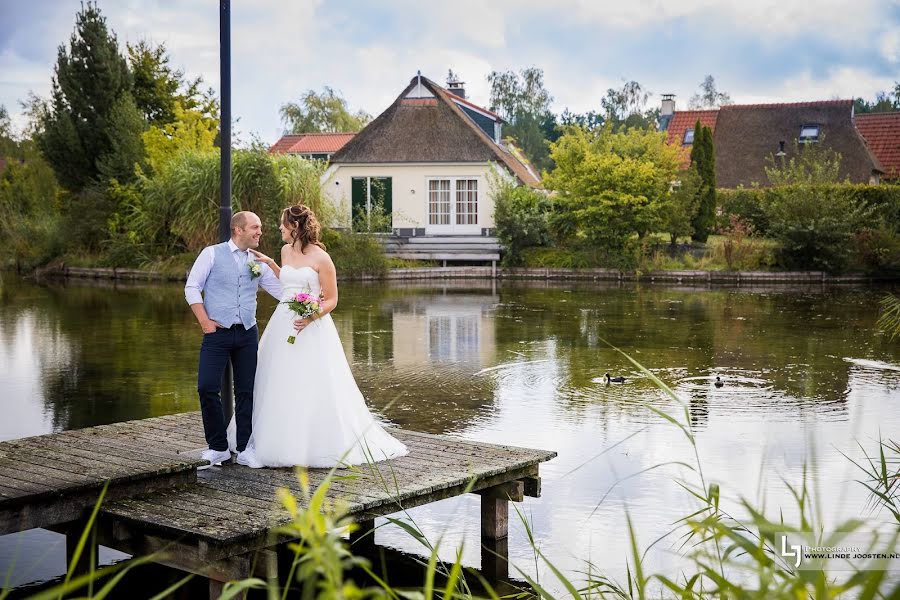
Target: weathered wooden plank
<point>87,452</point>
<point>48,469</point>
<point>129,457</point>
<point>19,514</point>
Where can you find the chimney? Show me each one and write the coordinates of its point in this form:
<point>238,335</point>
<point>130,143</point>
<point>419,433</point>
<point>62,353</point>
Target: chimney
<point>457,88</point>
<point>668,105</point>
<point>666,111</point>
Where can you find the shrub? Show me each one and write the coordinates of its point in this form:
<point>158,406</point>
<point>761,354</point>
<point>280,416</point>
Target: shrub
<point>521,219</point>
<point>879,250</point>
<point>815,225</point>
<point>747,204</point>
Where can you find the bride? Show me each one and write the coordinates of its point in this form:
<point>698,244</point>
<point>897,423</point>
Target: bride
<point>307,409</point>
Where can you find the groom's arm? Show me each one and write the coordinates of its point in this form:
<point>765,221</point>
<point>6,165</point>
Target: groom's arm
<point>269,281</point>
<point>193,289</point>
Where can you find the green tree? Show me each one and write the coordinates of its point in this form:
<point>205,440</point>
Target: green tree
<point>189,130</point>
<point>91,110</point>
<point>322,113</point>
<point>514,94</point>
<point>159,88</point>
<point>524,103</point>
<point>678,213</point>
<point>813,163</point>
<point>611,185</point>
<point>626,107</point>
<point>703,158</point>
<point>709,96</point>
<point>8,145</point>
<point>884,102</point>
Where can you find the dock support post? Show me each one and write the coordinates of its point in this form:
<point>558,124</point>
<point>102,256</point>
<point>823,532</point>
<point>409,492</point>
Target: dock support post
<point>362,540</point>
<point>495,559</point>
<point>494,517</point>
<point>215,589</point>
<point>90,552</point>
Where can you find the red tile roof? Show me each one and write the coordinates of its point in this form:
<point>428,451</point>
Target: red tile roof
<point>683,120</point>
<point>311,143</point>
<point>882,134</point>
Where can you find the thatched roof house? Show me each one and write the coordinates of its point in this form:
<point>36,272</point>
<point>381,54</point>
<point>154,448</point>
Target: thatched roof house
<point>428,160</point>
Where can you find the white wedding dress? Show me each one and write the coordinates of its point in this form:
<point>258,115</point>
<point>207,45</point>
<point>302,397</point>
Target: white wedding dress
<point>307,408</point>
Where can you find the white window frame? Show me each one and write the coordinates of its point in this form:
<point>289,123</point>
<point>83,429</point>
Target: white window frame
<point>684,139</point>
<point>453,227</point>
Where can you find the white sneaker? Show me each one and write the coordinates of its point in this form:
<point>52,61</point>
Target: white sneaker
<point>248,459</point>
<point>215,457</point>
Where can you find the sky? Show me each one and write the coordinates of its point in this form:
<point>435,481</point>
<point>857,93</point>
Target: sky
<point>757,50</point>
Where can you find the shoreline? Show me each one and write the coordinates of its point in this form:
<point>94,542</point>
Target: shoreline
<point>520,273</point>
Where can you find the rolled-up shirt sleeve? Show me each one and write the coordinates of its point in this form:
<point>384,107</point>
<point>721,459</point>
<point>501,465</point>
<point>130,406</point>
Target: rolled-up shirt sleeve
<point>269,282</point>
<point>197,277</point>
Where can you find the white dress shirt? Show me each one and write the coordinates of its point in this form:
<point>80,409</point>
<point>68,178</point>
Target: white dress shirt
<point>203,265</point>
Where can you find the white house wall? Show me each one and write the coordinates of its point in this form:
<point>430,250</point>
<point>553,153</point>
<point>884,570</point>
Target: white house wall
<point>410,188</point>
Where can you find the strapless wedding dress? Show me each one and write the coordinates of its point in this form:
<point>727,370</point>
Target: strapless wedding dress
<point>307,408</point>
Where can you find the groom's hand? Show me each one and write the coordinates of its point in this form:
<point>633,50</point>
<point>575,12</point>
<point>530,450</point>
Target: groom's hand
<point>210,326</point>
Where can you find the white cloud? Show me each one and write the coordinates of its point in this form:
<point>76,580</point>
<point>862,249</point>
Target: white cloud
<point>890,46</point>
<point>280,49</point>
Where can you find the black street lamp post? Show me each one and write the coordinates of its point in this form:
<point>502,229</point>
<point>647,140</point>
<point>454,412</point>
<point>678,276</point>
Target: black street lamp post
<point>225,166</point>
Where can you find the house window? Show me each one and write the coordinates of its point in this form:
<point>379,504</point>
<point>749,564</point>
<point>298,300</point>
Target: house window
<point>467,202</point>
<point>809,133</point>
<point>688,137</point>
<point>439,202</point>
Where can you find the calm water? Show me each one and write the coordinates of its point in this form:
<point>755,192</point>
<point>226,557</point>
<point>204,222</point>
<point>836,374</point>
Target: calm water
<point>807,376</point>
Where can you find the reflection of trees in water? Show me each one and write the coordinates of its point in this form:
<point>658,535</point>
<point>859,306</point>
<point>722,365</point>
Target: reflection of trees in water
<point>133,352</point>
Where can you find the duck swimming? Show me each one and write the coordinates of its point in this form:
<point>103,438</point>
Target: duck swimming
<point>614,379</point>
<point>719,383</point>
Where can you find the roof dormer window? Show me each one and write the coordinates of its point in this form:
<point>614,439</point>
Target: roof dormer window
<point>688,137</point>
<point>809,133</point>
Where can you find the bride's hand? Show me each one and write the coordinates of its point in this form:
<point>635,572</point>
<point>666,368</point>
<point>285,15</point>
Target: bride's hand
<point>262,257</point>
<point>300,324</point>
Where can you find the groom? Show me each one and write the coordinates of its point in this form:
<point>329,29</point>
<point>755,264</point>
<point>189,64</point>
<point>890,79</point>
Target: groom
<point>221,289</point>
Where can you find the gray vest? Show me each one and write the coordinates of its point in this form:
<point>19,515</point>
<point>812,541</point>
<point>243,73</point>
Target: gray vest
<point>229,295</point>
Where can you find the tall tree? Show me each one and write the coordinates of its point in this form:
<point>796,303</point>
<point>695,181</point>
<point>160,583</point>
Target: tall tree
<point>322,113</point>
<point>514,93</point>
<point>709,96</point>
<point>158,87</point>
<point>703,158</point>
<point>524,103</point>
<point>87,118</point>
<point>8,145</point>
<point>626,107</point>
<point>884,102</point>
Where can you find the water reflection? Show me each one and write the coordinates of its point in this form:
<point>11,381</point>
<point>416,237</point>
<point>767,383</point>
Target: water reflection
<point>520,364</point>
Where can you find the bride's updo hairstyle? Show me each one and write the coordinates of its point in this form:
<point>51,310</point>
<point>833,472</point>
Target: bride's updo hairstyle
<point>304,226</point>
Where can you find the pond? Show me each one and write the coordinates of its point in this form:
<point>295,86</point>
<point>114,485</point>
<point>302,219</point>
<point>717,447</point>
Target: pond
<point>807,377</point>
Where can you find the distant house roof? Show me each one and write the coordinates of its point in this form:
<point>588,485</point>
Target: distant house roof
<point>744,136</point>
<point>882,133</point>
<point>311,143</point>
<point>426,123</point>
<point>684,120</point>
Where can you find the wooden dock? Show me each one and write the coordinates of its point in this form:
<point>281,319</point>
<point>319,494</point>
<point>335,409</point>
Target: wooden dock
<point>217,521</point>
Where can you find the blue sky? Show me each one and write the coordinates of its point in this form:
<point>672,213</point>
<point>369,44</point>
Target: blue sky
<point>758,51</point>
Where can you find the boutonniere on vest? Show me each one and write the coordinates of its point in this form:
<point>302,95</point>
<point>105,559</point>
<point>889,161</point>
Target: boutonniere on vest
<point>255,269</point>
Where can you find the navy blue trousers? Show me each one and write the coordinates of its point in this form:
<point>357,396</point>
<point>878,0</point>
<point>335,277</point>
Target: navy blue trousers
<point>238,345</point>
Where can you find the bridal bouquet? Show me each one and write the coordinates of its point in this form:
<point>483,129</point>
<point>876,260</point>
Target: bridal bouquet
<point>304,305</point>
